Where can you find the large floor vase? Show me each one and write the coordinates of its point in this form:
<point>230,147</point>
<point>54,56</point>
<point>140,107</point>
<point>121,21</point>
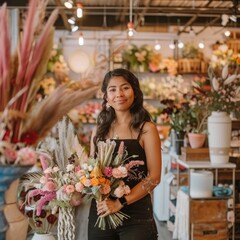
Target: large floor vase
<point>219,137</point>
<point>8,174</point>
<point>46,236</point>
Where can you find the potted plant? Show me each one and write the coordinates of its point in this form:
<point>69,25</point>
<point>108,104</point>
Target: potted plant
<point>180,121</point>
<point>197,131</point>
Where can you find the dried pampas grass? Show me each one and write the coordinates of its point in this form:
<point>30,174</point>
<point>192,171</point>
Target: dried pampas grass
<point>65,97</point>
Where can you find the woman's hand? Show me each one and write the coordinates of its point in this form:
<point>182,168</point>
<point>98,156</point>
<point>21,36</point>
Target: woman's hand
<point>108,206</point>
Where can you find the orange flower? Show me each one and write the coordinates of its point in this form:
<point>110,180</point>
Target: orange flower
<point>102,180</point>
<point>94,181</point>
<point>105,189</point>
<point>238,61</point>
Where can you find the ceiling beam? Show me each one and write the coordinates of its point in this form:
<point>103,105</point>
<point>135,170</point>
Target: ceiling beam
<point>63,14</point>
<point>192,20</point>
<point>207,25</point>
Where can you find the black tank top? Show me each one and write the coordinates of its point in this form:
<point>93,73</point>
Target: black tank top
<point>143,207</point>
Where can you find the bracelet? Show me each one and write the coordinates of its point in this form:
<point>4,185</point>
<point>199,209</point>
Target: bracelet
<point>123,201</point>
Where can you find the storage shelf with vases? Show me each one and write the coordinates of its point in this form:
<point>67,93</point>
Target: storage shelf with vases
<point>207,216</point>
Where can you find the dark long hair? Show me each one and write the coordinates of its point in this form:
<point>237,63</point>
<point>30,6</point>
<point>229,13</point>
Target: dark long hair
<point>107,116</point>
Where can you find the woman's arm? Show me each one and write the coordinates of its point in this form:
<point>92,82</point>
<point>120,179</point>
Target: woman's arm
<point>151,143</point>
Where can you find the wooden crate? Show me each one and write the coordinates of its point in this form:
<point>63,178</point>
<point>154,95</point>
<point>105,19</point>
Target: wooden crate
<point>208,211</point>
<point>210,231</point>
<point>195,154</point>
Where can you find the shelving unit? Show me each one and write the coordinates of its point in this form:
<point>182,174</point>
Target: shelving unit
<point>213,225</point>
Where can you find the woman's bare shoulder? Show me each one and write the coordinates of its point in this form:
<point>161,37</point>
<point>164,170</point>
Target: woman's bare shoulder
<point>149,127</point>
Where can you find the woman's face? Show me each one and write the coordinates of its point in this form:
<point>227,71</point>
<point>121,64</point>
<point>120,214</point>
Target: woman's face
<point>120,94</point>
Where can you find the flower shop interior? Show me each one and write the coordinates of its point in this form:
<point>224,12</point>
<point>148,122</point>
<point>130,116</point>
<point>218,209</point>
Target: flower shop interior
<point>186,55</point>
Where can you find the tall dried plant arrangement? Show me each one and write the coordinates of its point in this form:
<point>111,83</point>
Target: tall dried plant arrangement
<point>22,120</point>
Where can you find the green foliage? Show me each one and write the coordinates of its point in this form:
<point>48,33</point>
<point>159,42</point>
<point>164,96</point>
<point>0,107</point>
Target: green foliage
<point>135,56</point>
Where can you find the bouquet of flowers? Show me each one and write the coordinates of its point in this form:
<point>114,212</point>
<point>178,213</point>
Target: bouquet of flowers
<point>23,121</point>
<point>58,187</point>
<point>103,177</point>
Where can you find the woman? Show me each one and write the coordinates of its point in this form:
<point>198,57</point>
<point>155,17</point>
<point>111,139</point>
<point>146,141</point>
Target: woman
<point>124,118</point>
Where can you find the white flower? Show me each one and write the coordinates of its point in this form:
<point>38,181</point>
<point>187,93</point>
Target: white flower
<point>223,48</point>
<point>55,169</point>
<point>225,72</point>
<point>90,168</point>
<point>48,170</point>
<point>54,210</point>
<point>85,166</point>
<point>70,167</point>
<point>215,84</point>
<point>230,79</point>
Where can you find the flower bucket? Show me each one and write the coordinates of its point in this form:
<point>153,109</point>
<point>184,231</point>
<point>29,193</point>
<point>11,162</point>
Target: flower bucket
<point>219,137</point>
<point>196,140</point>
<point>8,174</point>
<point>18,223</point>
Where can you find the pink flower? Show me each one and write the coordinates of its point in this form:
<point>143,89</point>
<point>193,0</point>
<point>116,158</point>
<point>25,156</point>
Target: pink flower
<point>49,186</point>
<point>133,164</point>
<point>79,187</point>
<point>127,189</point>
<point>108,171</point>
<point>121,150</point>
<point>77,169</point>
<point>119,172</point>
<point>10,154</point>
<point>119,191</point>
<point>69,189</point>
<point>27,156</point>
<point>43,180</point>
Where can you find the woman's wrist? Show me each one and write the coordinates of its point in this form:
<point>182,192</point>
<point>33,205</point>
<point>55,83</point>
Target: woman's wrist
<point>123,201</point>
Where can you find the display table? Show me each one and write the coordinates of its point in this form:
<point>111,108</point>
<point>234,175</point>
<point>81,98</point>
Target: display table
<point>207,218</point>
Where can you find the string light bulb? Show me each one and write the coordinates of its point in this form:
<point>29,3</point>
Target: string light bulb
<point>201,45</point>
<point>68,4</point>
<point>79,10</point>
<point>227,33</point>
<point>180,45</point>
<point>172,46</point>
<point>157,46</point>
<point>81,39</point>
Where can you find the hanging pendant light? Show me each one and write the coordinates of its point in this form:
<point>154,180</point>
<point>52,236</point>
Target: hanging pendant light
<point>79,10</point>
<point>81,39</point>
<point>130,26</point>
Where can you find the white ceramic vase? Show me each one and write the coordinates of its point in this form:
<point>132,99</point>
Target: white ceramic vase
<point>45,236</point>
<point>219,137</point>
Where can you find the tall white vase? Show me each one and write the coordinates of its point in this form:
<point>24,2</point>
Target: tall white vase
<point>219,137</point>
<point>46,236</point>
